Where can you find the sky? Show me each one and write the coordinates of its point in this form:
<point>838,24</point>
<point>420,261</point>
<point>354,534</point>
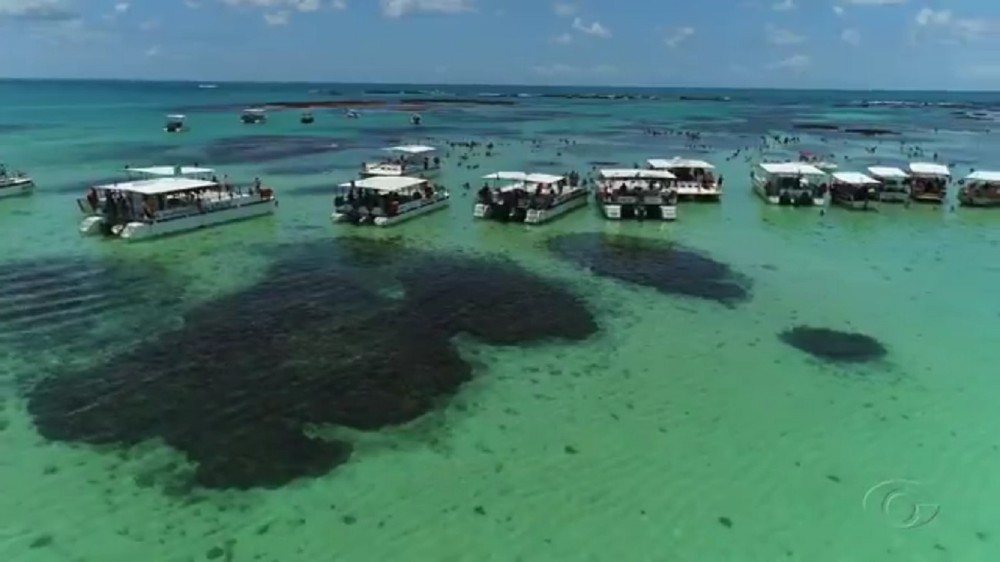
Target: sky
<point>845,44</point>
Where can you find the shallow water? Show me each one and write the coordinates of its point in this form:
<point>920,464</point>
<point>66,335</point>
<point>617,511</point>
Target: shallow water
<point>563,414</point>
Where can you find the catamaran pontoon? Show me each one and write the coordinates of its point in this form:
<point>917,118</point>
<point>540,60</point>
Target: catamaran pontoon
<point>789,183</point>
<point>980,189</point>
<point>637,194</point>
<point>854,190</point>
<point>175,124</point>
<point>16,183</point>
<point>412,160</point>
<point>929,182</point>
<point>695,179</point>
<point>387,200</point>
<point>307,118</point>
<point>254,116</point>
<point>146,208</point>
<point>894,186</point>
<point>528,198</point>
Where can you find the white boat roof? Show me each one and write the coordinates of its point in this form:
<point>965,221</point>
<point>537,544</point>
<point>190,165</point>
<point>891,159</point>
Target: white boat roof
<point>854,178</point>
<point>887,172</point>
<point>636,173</point>
<point>791,168</point>
<point>254,110</point>
<point>386,183</point>
<point>984,175</point>
<point>167,171</point>
<point>159,186</point>
<point>929,169</point>
<point>677,162</point>
<point>543,178</point>
<point>176,116</point>
<point>412,148</point>
<point>512,176</point>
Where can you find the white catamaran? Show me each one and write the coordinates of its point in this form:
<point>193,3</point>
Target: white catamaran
<point>14,183</point>
<point>894,182</point>
<point>637,194</point>
<point>790,183</point>
<point>161,205</point>
<point>695,179</point>
<point>410,160</point>
<point>387,200</point>
<point>528,198</point>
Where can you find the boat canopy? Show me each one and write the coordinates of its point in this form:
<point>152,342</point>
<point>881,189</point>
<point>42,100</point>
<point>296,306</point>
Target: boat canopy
<point>929,169</point>
<point>255,110</point>
<point>412,149</point>
<point>854,178</point>
<point>176,117</point>
<point>159,186</point>
<point>791,169</point>
<point>984,175</point>
<point>385,183</point>
<point>887,172</point>
<point>543,178</point>
<point>677,162</point>
<point>509,176</point>
<point>633,173</point>
<point>165,171</point>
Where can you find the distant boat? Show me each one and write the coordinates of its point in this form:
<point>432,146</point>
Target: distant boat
<point>351,114</point>
<point>307,118</point>
<point>207,86</point>
<point>254,116</point>
<point>175,124</point>
<point>415,119</point>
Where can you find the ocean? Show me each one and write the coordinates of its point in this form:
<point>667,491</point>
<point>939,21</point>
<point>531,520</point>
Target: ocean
<point>749,383</point>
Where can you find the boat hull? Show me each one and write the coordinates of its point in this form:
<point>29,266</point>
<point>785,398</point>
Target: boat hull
<point>853,205</point>
<point>539,216</point>
<point>612,211</point>
<point>16,187</point>
<point>696,192</point>
<point>136,231</point>
<point>893,196</point>
<point>504,213</point>
<point>437,205</point>
<point>970,200</point>
<point>788,198</point>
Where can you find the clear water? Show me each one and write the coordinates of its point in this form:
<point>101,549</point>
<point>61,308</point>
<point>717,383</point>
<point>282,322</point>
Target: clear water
<point>682,430</point>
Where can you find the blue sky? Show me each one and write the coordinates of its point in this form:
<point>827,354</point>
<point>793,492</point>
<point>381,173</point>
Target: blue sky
<point>942,44</point>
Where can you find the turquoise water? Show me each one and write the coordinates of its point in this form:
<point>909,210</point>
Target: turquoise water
<point>679,429</point>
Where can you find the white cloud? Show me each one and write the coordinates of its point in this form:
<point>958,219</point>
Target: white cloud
<point>560,69</point>
<point>192,4</point>
<point>564,9</point>
<point>783,5</point>
<point>678,36</point>
<point>563,39</point>
<point>874,2</point>
<point>794,62</point>
<point>839,10</point>
<point>928,17</point>
<point>297,5</point>
<point>779,36</point>
<point>153,51</point>
<point>401,8</point>
<point>38,10</point>
<point>121,7</point>
<point>851,36</point>
<point>276,18</point>
<point>966,29</point>
<point>339,4</point>
<point>593,28</point>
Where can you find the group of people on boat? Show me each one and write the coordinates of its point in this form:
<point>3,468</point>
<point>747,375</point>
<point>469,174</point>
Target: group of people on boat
<point>5,173</point>
<point>119,206</point>
<point>369,200</point>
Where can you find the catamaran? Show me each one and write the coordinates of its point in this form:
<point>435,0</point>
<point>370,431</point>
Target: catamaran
<point>789,183</point>
<point>637,194</point>
<point>161,205</point>
<point>411,160</point>
<point>980,189</point>
<point>254,116</point>
<point>387,200</point>
<point>929,182</point>
<point>528,198</point>
<point>307,118</point>
<point>175,123</point>
<point>894,182</point>
<point>695,179</point>
<point>15,183</point>
<point>854,190</point>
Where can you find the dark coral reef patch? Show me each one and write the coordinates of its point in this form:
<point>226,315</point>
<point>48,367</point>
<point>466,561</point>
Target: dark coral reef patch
<point>315,343</point>
<point>834,346</point>
<point>666,267</point>
<point>250,149</point>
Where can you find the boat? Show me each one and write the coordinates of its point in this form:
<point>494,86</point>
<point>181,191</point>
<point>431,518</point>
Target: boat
<point>695,179</point>
<point>16,183</point>
<point>929,182</point>
<point>415,119</point>
<point>387,200</point>
<point>637,194</point>
<point>854,190</point>
<point>528,198</point>
<point>175,124</point>
<point>895,184</point>
<point>150,172</point>
<point>797,184</point>
<point>307,118</point>
<point>158,206</point>
<point>351,114</point>
<point>254,116</point>
<point>980,189</point>
<point>411,160</point>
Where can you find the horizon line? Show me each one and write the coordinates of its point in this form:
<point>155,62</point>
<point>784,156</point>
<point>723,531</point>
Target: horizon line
<point>470,84</point>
